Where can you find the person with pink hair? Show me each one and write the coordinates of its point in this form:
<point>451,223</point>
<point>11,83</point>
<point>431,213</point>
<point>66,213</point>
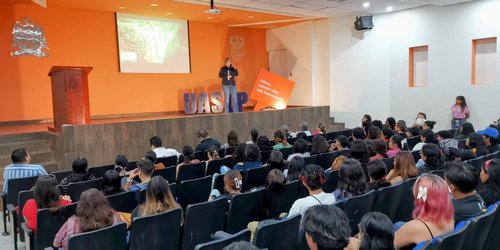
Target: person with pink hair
<point>433,213</point>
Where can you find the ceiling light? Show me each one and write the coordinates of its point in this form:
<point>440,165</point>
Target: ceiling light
<point>366,4</point>
<point>270,26</point>
<point>169,13</point>
<point>153,5</point>
<point>121,8</point>
<point>250,16</point>
<point>389,8</point>
<point>210,17</point>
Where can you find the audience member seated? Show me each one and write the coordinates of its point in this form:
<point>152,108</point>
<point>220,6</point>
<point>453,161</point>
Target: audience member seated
<point>413,131</point>
<point>358,133</point>
<point>326,227</point>
<point>463,180</point>
<point>420,119</point>
<point>352,181</point>
<point>342,143</point>
<point>276,160</point>
<point>304,127</point>
<point>187,158</point>
<point>320,129</point>
<point>241,245</point>
<point>205,141</point>
<point>490,136</point>
<point>476,144</point>
<point>295,166</point>
<point>312,178</point>
<point>252,159</point>
<point>446,143</point>
<point>395,145</point>
<point>404,168</point>
<point>391,123</point>
<point>159,199</point>
<point>376,232</point>
<point>233,182</point>
<point>377,172</point>
<point>20,167</point>
<point>490,177</point>
<point>232,140</point>
<point>388,133</point>
<point>144,170</point>
<point>80,173</point>
<point>275,186</point>
<point>433,213</point>
<point>428,125</point>
<point>151,155</point>
<point>280,140</point>
<point>465,130</point>
<point>45,195</point>
<point>366,125</point>
<point>254,134</point>
<point>111,183</point>
<point>431,157</point>
<point>299,149</point>
<point>121,163</point>
<point>264,143</point>
<point>92,212</point>
<point>337,163</point>
<point>426,136</point>
<point>212,154</point>
<point>379,147</point>
<point>359,151</point>
<point>319,145</point>
<point>366,117</point>
<point>401,129</point>
<point>284,131</point>
<point>374,133</point>
<point>378,123</point>
<point>160,151</point>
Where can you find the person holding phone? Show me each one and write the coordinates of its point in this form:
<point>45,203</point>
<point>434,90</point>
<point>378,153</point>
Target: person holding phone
<point>227,73</point>
<point>144,170</point>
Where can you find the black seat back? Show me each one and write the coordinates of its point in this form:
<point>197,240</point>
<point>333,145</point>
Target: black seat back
<point>332,136</point>
<point>77,188</point>
<point>18,185</point>
<point>229,150</point>
<point>389,163</point>
<point>346,132</point>
<point>243,235</point>
<point>477,163</point>
<point>112,237</point>
<point>61,175</point>
<point>123,202</point>
<point>49,223</point>
<point>167,173</point>
<point>480,227</point>
<point>311,159</point>
<point>202,220</point>
<point>168,161</point>
<point>332,179</point>
<point>286,152</point>
<point>453,240</point>
<point>412,141</point>
<point>194,191</point>
<point>214,165</point>
<point>388,199</point>
<point>244,208</point>
<point>200,155</point>
<point>159,231</point>
<point>406,204</point>
<point>325,160</point>
<point>281,234</point>
<point>255,177</point>
<point>99,172</point>
<point>191,171</point>
<point>356,207</point>
<point>264,156</point>
<point>281,201</point>
<point>493,241</point>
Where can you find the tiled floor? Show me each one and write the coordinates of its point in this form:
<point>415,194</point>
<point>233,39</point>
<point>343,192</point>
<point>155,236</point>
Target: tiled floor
<point>7,242</point>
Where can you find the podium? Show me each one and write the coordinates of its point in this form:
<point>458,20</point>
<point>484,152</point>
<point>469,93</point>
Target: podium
<point>70,95</point>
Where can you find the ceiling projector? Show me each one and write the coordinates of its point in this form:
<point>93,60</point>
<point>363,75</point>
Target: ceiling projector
<point>212,9</point>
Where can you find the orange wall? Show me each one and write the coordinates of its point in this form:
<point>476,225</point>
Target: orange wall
<point>88,38</point>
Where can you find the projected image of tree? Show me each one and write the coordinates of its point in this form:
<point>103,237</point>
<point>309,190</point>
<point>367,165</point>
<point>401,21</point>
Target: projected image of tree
<point>150,41</point>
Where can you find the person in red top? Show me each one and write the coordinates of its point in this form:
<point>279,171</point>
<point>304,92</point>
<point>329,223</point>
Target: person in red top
<point>46,195</point>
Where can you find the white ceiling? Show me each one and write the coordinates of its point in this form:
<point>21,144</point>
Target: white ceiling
<point>324,8</point>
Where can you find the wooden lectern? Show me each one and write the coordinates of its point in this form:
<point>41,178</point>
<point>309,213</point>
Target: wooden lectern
<point>70,95</point>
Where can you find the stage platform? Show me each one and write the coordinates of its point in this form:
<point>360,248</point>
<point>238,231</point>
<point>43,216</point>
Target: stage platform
<point>103,139</point>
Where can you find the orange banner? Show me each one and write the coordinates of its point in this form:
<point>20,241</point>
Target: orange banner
<point>271,90</point>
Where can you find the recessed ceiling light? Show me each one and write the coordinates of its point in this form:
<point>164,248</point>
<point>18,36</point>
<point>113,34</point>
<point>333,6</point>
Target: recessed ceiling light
<point>250,16</point>
<point>169,13</point>
<point>210,17</point>
<point>121,8</point>
<point>366,4</point>
<point>153,5</point>
<point>389,8</point>
<point>270,26</point>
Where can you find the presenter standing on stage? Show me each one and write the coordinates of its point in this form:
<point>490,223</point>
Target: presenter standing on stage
<point>227,73</point>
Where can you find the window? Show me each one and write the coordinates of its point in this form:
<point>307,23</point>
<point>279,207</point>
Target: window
<point>418,66</point>
<point>484,53</point>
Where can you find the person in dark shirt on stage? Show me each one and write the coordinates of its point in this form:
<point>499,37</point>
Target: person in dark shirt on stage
<point>206,141</point>
<point>227,73</point>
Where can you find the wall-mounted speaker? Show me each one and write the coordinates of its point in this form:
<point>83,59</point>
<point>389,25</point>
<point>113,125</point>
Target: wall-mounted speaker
<point>363,23</point>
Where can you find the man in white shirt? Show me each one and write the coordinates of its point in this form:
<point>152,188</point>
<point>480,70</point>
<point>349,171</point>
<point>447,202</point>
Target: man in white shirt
<point>312,177</point>
<point>161,152</point>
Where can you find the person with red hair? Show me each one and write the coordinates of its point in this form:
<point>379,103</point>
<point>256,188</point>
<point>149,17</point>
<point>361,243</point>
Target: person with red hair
<point>433,213</point>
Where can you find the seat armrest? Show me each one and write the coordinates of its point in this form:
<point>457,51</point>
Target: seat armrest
<point>26,229</point>
<point>220,235</point>
<point>11,208</point>
<point>3,194</point>
<point>29,236</point>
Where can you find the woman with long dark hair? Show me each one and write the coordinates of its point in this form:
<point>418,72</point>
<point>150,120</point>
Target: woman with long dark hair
<point>111,183</point>
<point>476,144</point>
<point>431,155</point>
<point>352,180</point>
<point>46,195</point>
<point>80,173</point>
<point>92,212</point>
<point>359,151</point>
<point>319,145</point>
<point>465,130</point>
<point>459,112</point>
<point>490,177</point>
<point>159,199</point>
<point>376,232</point>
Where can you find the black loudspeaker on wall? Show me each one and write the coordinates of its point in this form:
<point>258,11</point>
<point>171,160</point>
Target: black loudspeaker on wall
<point>363,23</point>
